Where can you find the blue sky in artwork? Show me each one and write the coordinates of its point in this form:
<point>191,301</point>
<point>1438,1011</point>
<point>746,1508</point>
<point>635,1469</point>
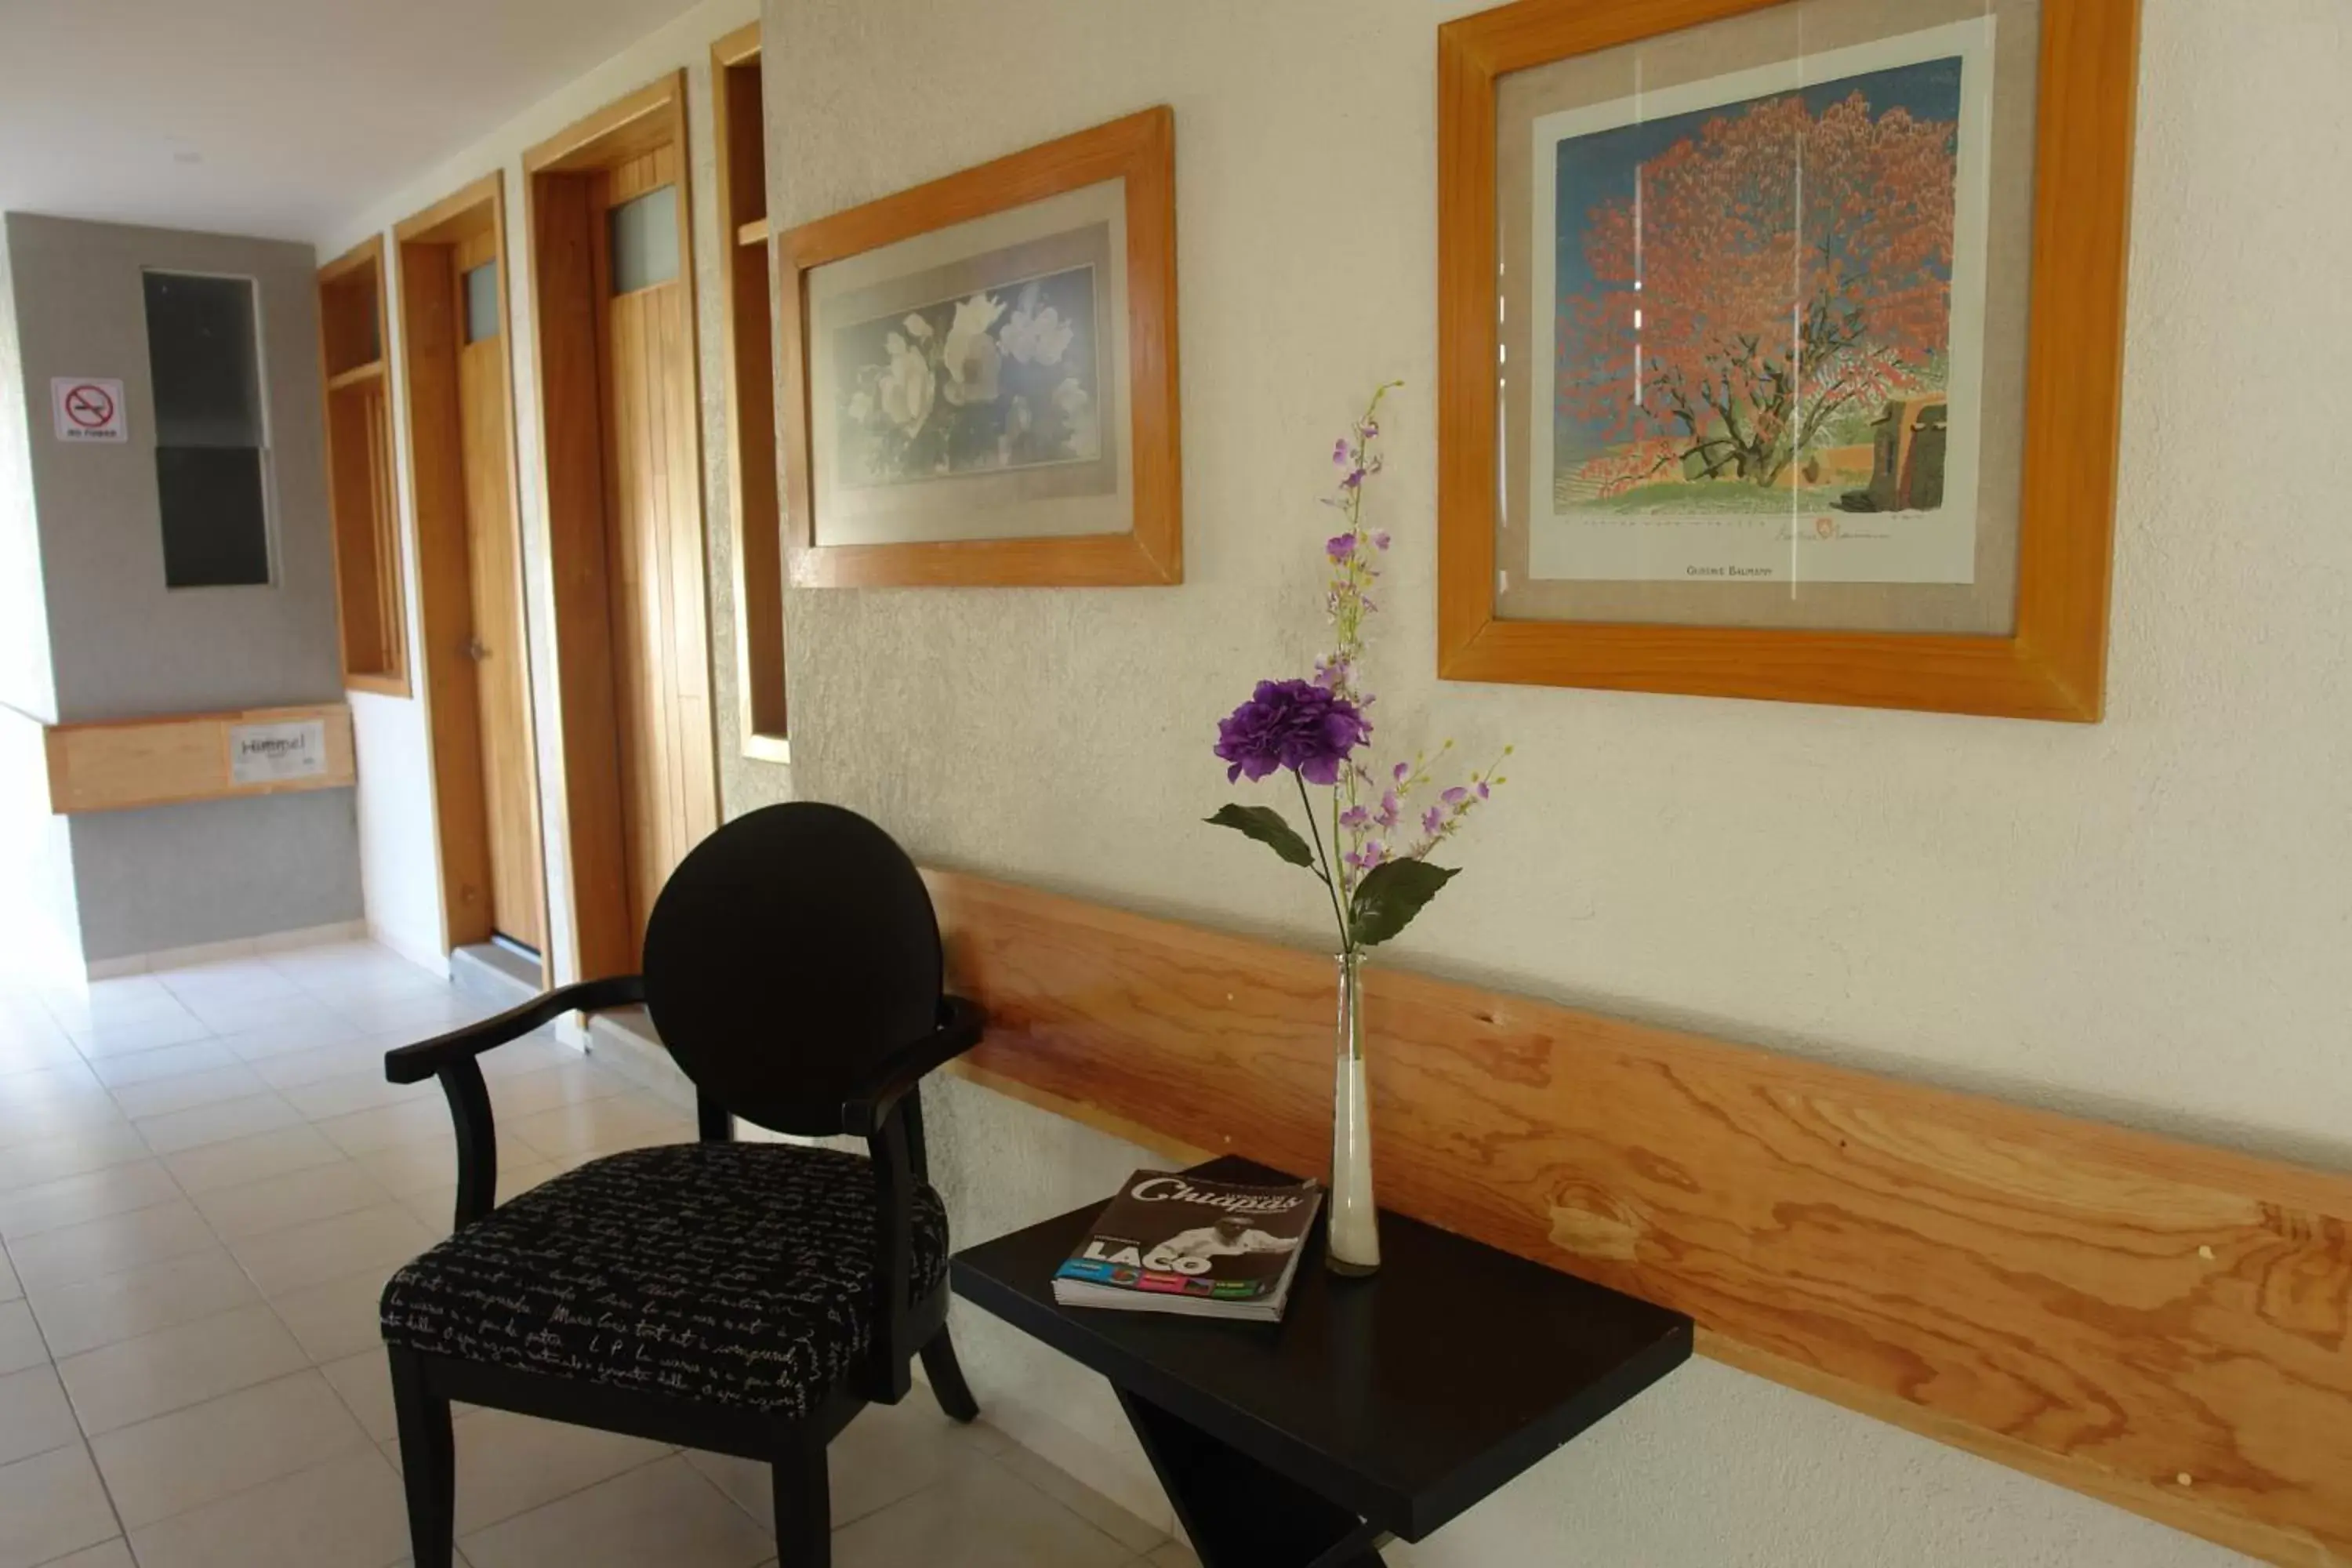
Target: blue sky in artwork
<point>1599,168</point>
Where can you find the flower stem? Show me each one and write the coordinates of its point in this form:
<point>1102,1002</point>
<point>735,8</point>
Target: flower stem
<point>1347,939</point>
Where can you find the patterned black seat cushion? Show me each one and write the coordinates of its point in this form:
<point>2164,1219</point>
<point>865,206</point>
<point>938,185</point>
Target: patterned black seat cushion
<point>736,1274</point>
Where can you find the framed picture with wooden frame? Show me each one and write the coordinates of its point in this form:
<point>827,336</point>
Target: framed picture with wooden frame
<point>1780,347</point>
<point>979,374</point>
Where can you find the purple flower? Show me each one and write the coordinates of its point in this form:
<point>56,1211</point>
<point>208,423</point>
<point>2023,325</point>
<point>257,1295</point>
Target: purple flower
<point>1339,451</point>
<point>1380,540</point>
<point>1455,796</point>
<point>1399,772</point>
<point>1332,673</point>
<point>1291,725</point>
<point>1339,546</point>
<point>1370,856</point>
<point>1391,810</point>
<point>1355,476</point>
<point>1354,818</point>
<point>1432,819</point>
<point>1481,789</point>
<point>1370,427</point>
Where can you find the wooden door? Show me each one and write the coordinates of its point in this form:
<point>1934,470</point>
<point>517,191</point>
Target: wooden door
<point>494,557</point>
<point>652,536</point>
<point>612,281</point>
<point>476,666</point>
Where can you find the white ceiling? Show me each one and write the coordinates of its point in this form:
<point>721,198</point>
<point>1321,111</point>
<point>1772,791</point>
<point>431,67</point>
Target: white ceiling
<point>281,118</point>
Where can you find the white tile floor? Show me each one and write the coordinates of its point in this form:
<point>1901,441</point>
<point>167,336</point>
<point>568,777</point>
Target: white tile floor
<point>205,1181</point>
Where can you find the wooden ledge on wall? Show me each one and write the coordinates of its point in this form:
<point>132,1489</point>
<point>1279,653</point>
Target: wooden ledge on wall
<point>120,765</point>
<point>2163,1325</point>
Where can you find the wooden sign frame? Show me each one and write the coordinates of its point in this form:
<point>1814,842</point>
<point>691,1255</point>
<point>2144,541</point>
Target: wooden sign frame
<point>2053,666</point>
<point>1141,149</point>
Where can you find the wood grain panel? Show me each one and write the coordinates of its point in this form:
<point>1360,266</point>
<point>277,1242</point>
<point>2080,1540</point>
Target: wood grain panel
<point>123,764</point>
<point>2164,1325</point>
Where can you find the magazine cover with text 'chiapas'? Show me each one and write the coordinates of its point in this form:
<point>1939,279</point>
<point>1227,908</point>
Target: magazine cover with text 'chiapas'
<point>1173,1243</point>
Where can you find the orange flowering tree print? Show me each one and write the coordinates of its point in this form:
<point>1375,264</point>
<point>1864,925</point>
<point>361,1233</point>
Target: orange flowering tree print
<point>1743,287</point>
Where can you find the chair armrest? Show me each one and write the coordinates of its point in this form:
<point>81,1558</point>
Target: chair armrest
<point>452,1058</point>
<point>414,1064</point>
<point>961,1024</point>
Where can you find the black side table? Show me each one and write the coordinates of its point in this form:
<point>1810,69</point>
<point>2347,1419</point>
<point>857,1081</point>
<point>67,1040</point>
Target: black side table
<point>1378,1408</point>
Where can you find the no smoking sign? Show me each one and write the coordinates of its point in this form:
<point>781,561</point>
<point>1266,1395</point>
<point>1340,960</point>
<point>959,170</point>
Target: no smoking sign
<point>88,408</point>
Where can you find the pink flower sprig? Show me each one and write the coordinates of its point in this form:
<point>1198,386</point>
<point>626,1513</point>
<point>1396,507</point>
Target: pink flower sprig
<point>1353,555</point>
<point>1381,825</point>
<point>1377,834</point>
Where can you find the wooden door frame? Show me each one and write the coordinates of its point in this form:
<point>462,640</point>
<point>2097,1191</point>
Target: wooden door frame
<point>746,305</point>
<point>572,456</point>
<point>431,337</point>
<point>364,532</point>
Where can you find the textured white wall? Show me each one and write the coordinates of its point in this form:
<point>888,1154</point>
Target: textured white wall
<point>2146,920</point>
<point>397,849</point>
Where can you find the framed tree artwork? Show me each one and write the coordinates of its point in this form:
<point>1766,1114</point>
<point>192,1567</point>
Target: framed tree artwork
<point>1780,347</point>
<point>980,373</point>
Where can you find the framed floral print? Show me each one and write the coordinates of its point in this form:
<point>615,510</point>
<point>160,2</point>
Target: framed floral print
<point>980,373</point>
<point>1780,347</point>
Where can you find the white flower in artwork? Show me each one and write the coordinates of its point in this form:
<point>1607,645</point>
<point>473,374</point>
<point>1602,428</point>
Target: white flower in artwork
<point>918,326</point>
<point>1038,339</point>
<point>861,408</point>
<point>970,355</point>
<point>908,387</point>
<point>1078,409</point>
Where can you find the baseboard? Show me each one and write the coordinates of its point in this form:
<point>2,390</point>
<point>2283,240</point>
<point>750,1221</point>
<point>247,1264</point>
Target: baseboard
<point>220,952</point>
<point>424,955</point>
<point>492,972</point>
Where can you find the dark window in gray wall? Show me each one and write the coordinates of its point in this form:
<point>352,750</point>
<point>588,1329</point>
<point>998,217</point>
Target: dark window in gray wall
<point>204,353</point>
<point>482,303</point>
<point>645,240</point>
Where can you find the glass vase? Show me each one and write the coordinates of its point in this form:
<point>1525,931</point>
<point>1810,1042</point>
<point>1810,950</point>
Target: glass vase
<point>1354,1246</point>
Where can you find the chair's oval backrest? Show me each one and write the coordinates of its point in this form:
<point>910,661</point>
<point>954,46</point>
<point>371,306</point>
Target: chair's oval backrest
<point>787,953</point>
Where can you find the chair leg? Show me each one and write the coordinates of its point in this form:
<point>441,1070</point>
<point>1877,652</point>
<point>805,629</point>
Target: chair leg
<point>947,1378</point>
<point>428,1461</point>
<point>803,1509</point>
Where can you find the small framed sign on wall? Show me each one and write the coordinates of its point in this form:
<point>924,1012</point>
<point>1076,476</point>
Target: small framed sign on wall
<point>1780,347</point>
<point>980,373</point>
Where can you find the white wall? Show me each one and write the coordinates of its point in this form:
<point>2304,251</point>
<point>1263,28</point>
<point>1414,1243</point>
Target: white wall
<point>2146,920</point>
<point>27,680</point>
<point>397,847</point>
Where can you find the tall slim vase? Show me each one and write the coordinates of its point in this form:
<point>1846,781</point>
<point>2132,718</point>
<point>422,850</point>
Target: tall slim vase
<point>1355,1222</point>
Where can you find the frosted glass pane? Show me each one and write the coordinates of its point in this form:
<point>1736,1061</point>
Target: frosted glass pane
<point>205,361</point>
<point>645,240</point>
<point>204,357</point>
<point>482,303</point>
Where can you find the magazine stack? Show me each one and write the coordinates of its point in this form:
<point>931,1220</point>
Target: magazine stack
<point>1172,1243</point>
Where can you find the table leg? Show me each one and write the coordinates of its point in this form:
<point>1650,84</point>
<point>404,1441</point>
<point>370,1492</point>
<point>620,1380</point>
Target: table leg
<point>1239,1513</point>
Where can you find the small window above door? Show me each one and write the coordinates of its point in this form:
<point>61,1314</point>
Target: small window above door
<point>643,232</point>
<point>481,302</point>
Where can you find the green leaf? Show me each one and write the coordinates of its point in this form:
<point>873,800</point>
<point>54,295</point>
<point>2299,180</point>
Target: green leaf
<point>1391,894</point>
<point>1266,825</point>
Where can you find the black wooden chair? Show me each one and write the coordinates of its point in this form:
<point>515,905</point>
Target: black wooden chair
<point>745,1298</point>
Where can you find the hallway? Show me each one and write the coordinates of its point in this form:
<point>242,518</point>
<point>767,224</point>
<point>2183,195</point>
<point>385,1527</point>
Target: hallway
<point>204,1182</point>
